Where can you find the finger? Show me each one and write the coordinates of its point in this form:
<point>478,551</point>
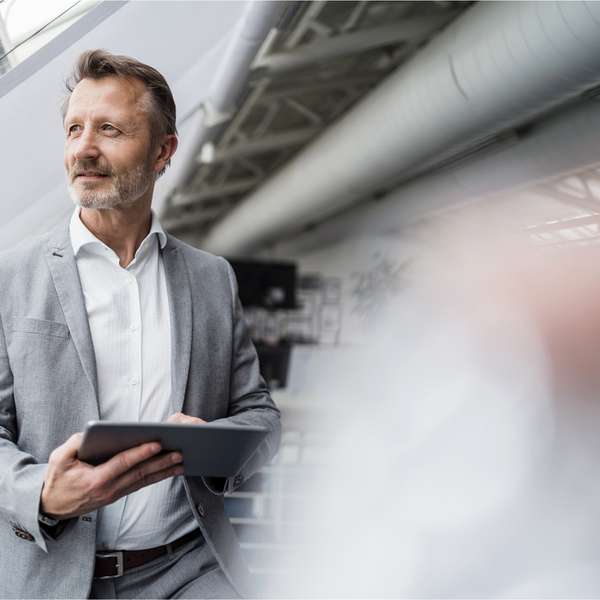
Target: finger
<point>172,471</point>
<point>124,461</point>
<point>181,418</point>
<point>67,451</point>
<point>155,477</point>
<point>175,418</point>
<point>141,472</point>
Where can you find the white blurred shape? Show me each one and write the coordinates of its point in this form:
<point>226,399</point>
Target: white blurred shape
<point>448,473</point>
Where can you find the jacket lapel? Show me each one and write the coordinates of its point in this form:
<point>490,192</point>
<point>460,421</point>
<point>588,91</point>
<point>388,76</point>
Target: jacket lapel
<point>180,308</point>
<point>61,262</point>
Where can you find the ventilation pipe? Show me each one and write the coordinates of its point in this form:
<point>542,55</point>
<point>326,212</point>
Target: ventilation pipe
<point>561,143</point>
<point>499,65</point>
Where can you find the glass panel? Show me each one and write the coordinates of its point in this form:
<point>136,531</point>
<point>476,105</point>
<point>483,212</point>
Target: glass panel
<point>27,25</point>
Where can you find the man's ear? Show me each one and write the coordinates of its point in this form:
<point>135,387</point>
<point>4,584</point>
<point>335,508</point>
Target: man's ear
<point>165,151</point>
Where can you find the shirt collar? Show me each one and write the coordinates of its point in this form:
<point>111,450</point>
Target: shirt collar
<point>82,236</point>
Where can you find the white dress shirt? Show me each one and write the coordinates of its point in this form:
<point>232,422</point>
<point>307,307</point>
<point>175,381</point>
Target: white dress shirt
<point>128,313</point>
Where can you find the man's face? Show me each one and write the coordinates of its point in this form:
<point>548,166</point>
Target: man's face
<point>108,150</point>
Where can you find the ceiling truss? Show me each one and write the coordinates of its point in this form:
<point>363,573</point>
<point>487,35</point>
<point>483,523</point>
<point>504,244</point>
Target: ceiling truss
<point>302,80</point>
<point>580,190</point>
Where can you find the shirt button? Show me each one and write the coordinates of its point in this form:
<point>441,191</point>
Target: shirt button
<point>134,381</point>
<point>134,327</point>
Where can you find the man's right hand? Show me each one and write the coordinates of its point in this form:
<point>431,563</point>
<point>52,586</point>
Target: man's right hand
<point>73,488</point>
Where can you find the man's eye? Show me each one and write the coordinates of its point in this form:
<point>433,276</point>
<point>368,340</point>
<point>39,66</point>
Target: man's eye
<point>73,129</point>
<point>110,128</point>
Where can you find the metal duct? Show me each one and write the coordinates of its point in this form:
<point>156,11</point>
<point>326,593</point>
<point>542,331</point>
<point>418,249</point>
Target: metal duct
<point>497,66</point>
<point>561,143</point>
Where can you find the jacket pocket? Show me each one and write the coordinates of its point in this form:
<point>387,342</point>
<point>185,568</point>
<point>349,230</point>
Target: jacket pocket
<point>39,327</point>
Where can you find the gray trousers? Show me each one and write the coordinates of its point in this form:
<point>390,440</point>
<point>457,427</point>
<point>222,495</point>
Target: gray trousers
<point>190,572</point>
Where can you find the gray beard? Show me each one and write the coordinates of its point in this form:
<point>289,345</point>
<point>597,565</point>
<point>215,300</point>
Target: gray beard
<point>124,191</point>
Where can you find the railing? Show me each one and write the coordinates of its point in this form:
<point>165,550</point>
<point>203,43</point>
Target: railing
<point>266,511</point>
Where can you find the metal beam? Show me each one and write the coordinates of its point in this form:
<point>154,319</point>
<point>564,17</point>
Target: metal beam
<point>303,110</point>
<point>409,30</point>
<point>267,143</point>
<point>196,219</point>
<point>571,223</point>
<point>569,199</point>
<point>209,192</point>
<point>318,87</point>
<point>245,109</point>
<point>311,14</point>
<point>355,16</point>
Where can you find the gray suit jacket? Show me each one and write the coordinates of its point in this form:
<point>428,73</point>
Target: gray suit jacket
<point>48,391</point>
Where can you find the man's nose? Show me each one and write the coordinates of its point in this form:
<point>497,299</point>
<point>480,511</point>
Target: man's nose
<point>86,146</point>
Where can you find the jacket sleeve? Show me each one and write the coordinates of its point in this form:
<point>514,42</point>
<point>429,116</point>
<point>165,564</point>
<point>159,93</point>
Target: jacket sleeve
<point>250,401</point>
<point>21,476</point>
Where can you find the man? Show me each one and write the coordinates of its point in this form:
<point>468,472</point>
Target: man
<point>107,317</point>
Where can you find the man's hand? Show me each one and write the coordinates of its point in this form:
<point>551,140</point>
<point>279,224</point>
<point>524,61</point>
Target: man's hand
<point>179,417</point>
<point>73,488</point>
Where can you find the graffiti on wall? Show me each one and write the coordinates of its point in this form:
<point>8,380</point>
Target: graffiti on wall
<point>376,285</point>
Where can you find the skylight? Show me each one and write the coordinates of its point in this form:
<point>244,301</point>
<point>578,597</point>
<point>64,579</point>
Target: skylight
<point>26,26</point>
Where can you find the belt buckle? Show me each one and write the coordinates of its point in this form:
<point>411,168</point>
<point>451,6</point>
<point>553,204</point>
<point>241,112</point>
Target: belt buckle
<point>118,556</point>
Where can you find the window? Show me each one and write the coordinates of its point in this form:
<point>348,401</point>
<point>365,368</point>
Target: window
<point>26,26</point>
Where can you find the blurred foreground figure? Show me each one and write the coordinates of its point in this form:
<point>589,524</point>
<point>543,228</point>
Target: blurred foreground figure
<point>464,454</point>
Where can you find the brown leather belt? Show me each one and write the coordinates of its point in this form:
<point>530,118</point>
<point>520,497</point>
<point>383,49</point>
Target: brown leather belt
<point>114,563</point>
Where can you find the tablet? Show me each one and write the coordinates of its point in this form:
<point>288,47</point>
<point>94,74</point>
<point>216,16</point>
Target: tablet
<point>212,450</point>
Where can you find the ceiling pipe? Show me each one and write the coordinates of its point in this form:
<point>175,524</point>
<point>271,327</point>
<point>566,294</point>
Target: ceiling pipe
<point>561,143</point>
<point>499,65</point>
<point>220,102</point>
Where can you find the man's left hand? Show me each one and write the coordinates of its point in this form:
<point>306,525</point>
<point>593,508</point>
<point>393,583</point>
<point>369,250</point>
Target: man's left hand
<point>179,417</point>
